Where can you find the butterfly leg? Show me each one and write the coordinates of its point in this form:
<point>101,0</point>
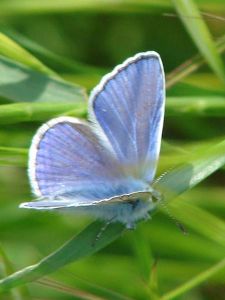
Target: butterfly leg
<point>156,195</point>
<point>147,217</point>
<point>130,226</point>
<point>102,230</point>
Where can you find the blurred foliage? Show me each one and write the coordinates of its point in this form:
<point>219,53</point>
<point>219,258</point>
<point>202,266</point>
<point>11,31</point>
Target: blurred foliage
<point>50,53</point>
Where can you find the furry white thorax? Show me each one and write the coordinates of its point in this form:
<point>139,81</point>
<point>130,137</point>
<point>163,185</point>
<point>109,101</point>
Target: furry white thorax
<point>127,213</point>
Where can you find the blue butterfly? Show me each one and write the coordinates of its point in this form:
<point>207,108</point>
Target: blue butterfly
<point>105,166</point>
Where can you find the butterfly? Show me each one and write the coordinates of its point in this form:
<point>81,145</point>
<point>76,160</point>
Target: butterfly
<point>105,166</point>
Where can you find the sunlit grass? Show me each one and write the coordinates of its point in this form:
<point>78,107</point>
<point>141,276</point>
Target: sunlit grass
<point>51,54</point>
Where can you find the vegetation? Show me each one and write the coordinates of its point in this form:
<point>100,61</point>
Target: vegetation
<point>51,54</point>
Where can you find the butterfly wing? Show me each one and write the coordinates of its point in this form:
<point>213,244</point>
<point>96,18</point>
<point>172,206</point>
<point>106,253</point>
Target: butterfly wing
<point>68,163</point>
<point>72,165</point>
<point>128,104</point>
<point>66,203</point>
<point>126,208</point>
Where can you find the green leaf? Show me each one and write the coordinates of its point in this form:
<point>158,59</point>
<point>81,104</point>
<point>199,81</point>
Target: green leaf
<point>24,7</point>
<point>12,50</point>
<point>37,111</point>
<point>191,65</point>
<point>201,106</point>
<point>143,254</point>
<point>22,84</point>
<point>13,156</point>
<point>69,290</point>
<point>80,246</point>
<point>200,278</point>
<point>191,173</point>
<point>177,245</point>
<point>20,293</point>
<point>196,27</point>
<point>153,283</point>
<point>171,185</point>
<point>9,7</point>
<point>197,218</point>
<point>58,61</point>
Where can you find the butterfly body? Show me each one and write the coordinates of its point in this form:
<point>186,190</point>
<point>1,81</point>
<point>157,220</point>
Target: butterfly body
<point>127,213</point>
<point>104,167</point>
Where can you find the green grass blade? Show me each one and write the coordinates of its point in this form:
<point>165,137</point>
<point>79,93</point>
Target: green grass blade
<point>201,106</point>
<point>69,290</point>
<point>172,184</point>
<point>21,84</point>
<point>13,156</point>
<point>37,111</point>
<point>12,50</point>
<point>191,247</point>
<point>68,65</point>
<point>153,283</point>
<point>11,7</point>
<point>191,65</point>
<point>24,7</point>
<point>200,278</point>
<point>196,27</point>
<point>197,218</point>
<point>58,61</point>
<point>143,254</point>
<point>19,293</point>
<point>80,246</point>
<point>190,174</point>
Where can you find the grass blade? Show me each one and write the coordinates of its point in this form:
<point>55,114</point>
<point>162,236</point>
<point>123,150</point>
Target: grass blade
<point>68,65</point>
<point>37,111</point>
<point>194,281</point>
<point>11,7</point>
<point>197,218</point>
<point>13,156</point>
<point>20,293</point>
<point>191,65</point>
<point>23,84</point>
<point>12,50</point>
<point>23,7</point>
<point>191,173</point>
<point>80,294</point>
<point>201,106</point>
<point>172,184</point>
<point>80,246</point>
<point>58,61</point>
<point>200,34</point>
<point>143,254</point>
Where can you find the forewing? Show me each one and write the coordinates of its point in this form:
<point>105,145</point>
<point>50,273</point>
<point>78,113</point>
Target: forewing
<point>68,163</point>
<point>66,157</point>
<point>128,104</point>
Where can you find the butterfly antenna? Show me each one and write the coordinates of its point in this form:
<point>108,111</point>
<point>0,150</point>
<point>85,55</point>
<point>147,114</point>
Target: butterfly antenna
<point>165,207</point>
<point>171,216</point>
<point>161,176</point>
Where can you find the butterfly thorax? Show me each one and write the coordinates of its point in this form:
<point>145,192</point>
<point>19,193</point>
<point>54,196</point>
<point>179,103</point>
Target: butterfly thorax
<point>127,212</point>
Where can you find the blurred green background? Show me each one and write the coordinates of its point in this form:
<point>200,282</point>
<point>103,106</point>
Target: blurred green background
<point>80,41</point>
